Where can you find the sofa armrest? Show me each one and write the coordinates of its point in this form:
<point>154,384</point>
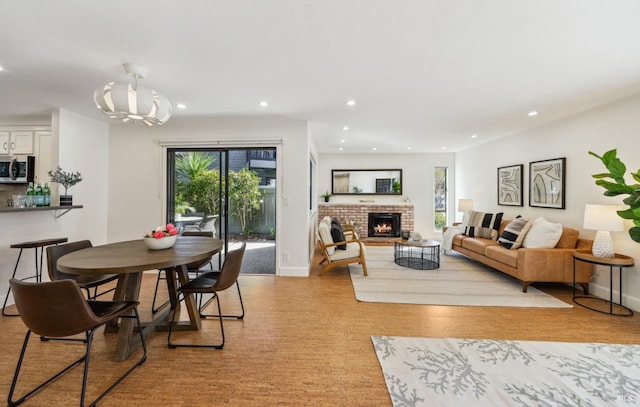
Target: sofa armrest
<point>536,264</point>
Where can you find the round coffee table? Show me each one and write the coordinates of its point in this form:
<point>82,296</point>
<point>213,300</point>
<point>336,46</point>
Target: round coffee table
<point>419,255</point>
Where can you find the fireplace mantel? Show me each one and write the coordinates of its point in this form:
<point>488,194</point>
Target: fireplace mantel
<point>358,213</point>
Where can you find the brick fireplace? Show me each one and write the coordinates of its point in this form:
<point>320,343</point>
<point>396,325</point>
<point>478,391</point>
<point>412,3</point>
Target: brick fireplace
<point>358,214</point>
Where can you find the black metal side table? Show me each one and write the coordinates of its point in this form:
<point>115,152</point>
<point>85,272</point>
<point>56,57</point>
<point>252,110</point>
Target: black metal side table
<point>420,255</point>
<point>619,261</point>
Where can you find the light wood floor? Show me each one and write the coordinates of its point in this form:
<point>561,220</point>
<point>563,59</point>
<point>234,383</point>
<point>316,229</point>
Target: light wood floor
<point>303,342</point>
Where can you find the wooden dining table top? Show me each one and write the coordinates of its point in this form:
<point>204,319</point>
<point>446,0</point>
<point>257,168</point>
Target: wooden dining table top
<point>133,256</point>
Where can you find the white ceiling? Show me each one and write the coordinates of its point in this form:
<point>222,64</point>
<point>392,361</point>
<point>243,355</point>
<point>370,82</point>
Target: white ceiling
<point>426,74</point>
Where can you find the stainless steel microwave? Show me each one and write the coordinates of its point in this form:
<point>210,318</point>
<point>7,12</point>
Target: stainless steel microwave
<point>17,169</point>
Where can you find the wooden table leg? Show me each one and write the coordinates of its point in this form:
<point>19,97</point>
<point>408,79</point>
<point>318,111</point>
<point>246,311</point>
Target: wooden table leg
<point>194,323</point>
<point>128,290</point>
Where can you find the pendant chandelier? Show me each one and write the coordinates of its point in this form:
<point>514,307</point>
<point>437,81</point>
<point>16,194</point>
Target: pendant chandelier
<point>129,102</point>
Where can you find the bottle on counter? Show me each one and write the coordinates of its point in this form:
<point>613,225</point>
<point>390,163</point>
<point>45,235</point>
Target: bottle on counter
<point>30,196</point>
<point>46,192</point>
<point>38,195</point>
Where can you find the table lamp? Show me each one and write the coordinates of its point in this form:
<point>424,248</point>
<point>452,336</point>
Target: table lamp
<point>604,219</point>
<point>465,205</point>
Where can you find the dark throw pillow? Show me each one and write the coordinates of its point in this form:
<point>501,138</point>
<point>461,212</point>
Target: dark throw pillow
<point>337,234</point>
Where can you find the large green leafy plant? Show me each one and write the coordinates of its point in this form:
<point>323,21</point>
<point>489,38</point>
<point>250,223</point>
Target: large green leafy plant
<point>618,186</point>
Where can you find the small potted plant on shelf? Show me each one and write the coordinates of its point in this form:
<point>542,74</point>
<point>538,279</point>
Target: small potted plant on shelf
<point>67,180</point>
<point>326,196</point>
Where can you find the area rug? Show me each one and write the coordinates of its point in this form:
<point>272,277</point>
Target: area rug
<point>480,372</point>
<point>458,281</point>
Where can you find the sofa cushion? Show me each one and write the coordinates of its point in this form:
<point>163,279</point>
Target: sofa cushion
<point>503,255</point>
<point>569,239</point>
<point>484,225</point>
<point>543,234</point>
<point>478,245</point>
<point>457,240</point>
<point>514,233</point>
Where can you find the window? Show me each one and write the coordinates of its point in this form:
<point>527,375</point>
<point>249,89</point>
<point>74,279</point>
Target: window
<point>439,197</point>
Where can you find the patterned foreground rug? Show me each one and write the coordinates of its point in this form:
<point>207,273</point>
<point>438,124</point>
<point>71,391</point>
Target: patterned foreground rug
<point>476,372</point>
<point>458,281</point>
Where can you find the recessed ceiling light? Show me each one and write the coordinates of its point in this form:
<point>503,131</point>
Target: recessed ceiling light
<point>444,148</point>
<point>264,103</point>
<point>340,149</point>
<point>351,102</point>
<point>374,148</point>
<point>342,140</point>
<point>532,113</point>
<point>1,68</point>
<point>474,136</point>
<point>345,128</point>
<point>181,106</point>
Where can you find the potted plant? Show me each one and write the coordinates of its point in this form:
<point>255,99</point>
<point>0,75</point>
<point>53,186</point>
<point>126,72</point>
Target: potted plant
<point>326,196</point>
<point>617,171</point>
<point>67,180</point>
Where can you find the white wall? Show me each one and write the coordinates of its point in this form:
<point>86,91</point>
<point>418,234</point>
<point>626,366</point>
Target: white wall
<point>417,181</point>
<point>137,179</point>
<point>616,125</point>
<point>81,144</point>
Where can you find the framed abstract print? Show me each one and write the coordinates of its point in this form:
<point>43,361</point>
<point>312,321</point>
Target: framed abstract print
<point>510,185</point>
<point>547,183</point>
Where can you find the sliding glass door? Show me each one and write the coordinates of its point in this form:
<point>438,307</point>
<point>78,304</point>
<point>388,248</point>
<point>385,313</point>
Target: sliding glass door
<point>229,192</point>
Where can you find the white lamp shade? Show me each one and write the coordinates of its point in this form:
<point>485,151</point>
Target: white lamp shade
<point>465,205</point>
<point>603,217</point>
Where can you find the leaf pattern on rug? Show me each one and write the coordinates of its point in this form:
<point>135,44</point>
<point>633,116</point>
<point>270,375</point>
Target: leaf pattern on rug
<point>448,371</point>
<point>453,372</point>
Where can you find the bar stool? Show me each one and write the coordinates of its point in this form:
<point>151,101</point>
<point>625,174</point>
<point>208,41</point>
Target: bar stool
<point>35,244</point>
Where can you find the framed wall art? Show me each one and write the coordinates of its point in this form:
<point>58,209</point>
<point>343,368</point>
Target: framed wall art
<point>547,183</point>
<point>510,185</point>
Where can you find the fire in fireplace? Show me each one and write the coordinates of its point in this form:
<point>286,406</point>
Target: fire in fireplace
<point>384,224</point>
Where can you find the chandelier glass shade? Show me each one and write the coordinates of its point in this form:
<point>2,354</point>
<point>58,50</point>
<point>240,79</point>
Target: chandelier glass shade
<point>129,102</point>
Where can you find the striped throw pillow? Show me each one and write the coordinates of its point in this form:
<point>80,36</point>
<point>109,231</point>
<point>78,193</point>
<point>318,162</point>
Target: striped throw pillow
<point>484,225</point>
<point>514,233</point>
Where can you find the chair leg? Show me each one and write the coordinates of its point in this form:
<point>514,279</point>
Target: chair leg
<point>127,373</point>
<point>206,304</point>
<point>39,387</point>
<point>85,358</point>
<point>155,294</point>
<point>215,346</point>
<point>15,270</point>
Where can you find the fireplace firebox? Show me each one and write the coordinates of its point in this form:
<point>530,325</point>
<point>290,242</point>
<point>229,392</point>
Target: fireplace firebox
<point>384,224</point>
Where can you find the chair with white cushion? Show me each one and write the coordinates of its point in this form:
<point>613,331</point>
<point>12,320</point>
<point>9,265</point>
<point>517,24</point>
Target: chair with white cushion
<point>353,252</point>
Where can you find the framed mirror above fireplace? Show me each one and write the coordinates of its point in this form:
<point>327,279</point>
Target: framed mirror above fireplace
<point>366,182</point>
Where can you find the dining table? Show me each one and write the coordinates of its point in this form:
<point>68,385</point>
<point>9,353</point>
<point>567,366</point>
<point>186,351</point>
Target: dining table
<point>130,259</point>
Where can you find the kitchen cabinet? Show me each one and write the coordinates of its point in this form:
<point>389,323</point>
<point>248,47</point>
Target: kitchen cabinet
<point>16,142</point>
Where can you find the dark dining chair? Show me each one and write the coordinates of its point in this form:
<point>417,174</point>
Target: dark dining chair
<point>58,309</point>
<point>86,282</point>
<point>193,268</point>
<point>211,283</point>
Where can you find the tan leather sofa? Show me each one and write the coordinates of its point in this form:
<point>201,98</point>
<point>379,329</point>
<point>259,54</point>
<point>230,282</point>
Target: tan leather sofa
<point>531,264</point>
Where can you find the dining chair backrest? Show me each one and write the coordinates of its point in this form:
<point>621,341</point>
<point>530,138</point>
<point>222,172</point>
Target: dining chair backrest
<point>55,252</point>
<point>230,269</point>
<point>53,308</point>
